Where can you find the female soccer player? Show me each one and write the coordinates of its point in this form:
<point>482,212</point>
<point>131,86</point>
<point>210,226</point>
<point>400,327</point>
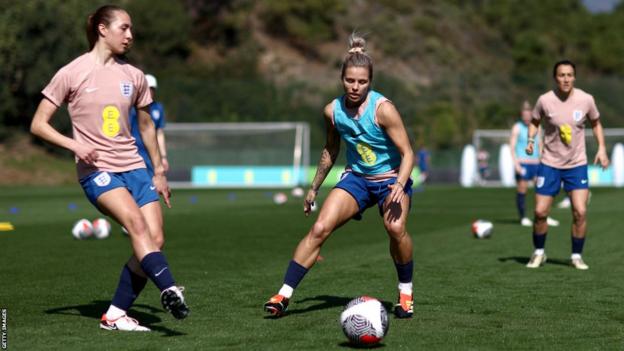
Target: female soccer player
<point>525,165</point>
<point>380,160</point>
<point>564,112</point>
<point>99,88</point>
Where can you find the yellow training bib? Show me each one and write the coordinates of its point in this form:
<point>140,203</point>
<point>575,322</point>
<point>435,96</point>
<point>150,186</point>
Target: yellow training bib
<point>110,126</point>
<point>565,133</point>
<point>367,153</point>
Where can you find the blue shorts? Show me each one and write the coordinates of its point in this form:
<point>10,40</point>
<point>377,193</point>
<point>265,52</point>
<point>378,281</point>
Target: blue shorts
<point>549,179</point>
<point>138,182</point>
<point>368,193</point>
<point>529,171</point>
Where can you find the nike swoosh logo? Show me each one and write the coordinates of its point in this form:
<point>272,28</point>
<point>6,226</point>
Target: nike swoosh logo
<point>551,114</point>
<point>162,270</point>
<point>152,187</point>
<point>583,181</point>
<point>90,90</point>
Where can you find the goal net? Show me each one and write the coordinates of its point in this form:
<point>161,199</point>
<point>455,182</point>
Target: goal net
<point>237,155</point>
<point>488,161</point>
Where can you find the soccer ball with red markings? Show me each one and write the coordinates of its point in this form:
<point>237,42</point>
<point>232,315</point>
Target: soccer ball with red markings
<point>364,321</point>
<point>101,228</point>
<point>82,229</point>
<point>482,229</point>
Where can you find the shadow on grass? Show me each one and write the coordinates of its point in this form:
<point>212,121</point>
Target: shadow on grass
<point>506,221</point>
<point>349,345</point>
<point>144,313</point>
<point>325,302</point>
<point>524,260</point>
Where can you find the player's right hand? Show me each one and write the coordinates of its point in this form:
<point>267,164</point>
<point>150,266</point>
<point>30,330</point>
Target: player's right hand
<point>309,202</point>
<point>529,149</point>
<point>86,153</point>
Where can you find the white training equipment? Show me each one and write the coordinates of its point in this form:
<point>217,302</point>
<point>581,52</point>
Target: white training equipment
<point>280,198</point>
<point>468,175</point>
<point>482,229</point>
<point>617,162</point>
<point>82,229</point>
<point>101,228</point>
<point>506,166</point>
<point>364,321</point>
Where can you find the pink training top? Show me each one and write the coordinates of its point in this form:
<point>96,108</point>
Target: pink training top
<point>564,127</point>
<point>99,100</point>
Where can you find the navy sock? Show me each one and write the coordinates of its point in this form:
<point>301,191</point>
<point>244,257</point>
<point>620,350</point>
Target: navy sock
<point>539,240</point>
<point>520,197</point>
<point>129,287</point>
<point>577,245</point>
<point>155,266</point>
<point>294,274</point>
<point>405,271</point>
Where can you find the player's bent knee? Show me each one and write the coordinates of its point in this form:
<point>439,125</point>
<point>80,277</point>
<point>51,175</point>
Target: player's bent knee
<point>320,231</point>
<point>579,214</point>
<point>541,213</point>
<point>395,229</point>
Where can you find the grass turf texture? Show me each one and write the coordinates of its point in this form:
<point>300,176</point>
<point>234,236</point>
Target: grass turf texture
<point>230,250</point>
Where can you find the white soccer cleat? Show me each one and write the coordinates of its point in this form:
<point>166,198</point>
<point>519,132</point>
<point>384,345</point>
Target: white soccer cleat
<point>565,203</point>
<point>536,261</point>
<point>552,222</point>
<point>525,222</point>
<point>579,264</point>
<point>123,323</point>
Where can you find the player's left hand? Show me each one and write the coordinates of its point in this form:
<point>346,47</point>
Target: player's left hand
<point>162,187</point>
<point>602,158</point>
<point>396,192</point>
<point>165,164</point>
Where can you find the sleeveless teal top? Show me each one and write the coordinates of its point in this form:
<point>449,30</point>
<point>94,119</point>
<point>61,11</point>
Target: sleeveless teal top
<point>522,142</point>
<point>370,150</point>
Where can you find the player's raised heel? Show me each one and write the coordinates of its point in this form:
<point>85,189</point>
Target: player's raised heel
<point>405,307</point>
<point>536,261</point>
<point>123,323</point>
<point>277,305</point>
<point>173,301</point>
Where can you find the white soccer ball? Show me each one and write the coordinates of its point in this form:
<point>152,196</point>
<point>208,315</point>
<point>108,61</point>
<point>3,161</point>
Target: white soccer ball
<point>364,321</point>
<point>297,192</point>
<point>101,228</point>
<point>280,198</point>
<point>83,229</point>
<point>482,229</point>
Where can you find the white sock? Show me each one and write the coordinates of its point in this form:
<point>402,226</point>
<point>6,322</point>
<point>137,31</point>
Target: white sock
<point>538,252</point>
<point>286,291</point>
<point>576,256</point>
<point>405,288</point>
<point>114,313</point>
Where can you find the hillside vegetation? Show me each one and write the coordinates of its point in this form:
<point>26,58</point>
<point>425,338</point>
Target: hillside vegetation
<point>450,65</point>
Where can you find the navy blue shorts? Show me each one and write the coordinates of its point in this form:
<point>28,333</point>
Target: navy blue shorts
<point>368,193</point>
<point>549,179</point>
<point>138,182</point>
<point>529,171</point>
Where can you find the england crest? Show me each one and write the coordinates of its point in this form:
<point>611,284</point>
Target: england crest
<point>577,115</point>
<point>126,89</point>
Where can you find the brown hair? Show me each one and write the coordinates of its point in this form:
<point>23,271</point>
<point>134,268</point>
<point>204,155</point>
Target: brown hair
<point>105,15</point>
<point>357,56</point>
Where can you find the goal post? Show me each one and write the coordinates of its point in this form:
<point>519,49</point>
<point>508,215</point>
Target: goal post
<point>238,155</point>
<point>487,161</point>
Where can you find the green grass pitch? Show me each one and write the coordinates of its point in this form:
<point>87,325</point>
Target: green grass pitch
<point>230,249</point>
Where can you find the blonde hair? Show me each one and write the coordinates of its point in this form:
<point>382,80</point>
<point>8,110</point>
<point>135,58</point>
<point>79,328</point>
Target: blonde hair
<point>526,105</point>
<point>357,56</point>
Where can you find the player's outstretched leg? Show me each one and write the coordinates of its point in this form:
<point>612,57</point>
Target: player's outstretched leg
<point>156,267</point>
<point>579,227</point>
<point>129,287</point>
<point>338,208</point>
